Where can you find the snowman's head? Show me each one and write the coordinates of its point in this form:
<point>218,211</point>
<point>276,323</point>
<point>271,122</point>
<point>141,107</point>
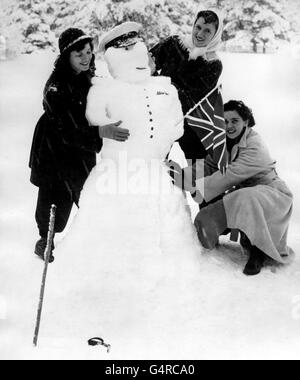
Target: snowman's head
<point>129,62</point>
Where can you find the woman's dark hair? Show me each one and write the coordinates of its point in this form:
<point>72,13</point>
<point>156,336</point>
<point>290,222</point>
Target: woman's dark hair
<point>62,65</point>
<point>240,107</point>
<point>210,17</point>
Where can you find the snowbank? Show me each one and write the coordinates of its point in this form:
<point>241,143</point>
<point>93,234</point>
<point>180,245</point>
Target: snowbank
<point>241,318</point>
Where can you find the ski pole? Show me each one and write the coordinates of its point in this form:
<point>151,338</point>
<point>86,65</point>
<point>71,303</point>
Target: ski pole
<point>46,257</point>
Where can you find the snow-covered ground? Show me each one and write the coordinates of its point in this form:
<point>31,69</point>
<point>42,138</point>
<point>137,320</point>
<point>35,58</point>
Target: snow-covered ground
<point>241,318</point>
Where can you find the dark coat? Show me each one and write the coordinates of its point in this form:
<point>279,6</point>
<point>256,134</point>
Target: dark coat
<point>64,144</point>
<point>194,79</point>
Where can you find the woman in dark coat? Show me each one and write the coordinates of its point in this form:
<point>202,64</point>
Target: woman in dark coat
<point>194,68</point>
<point>64,144</point>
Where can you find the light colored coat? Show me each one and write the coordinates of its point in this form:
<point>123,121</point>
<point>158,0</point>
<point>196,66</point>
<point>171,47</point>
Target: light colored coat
<point>250,164</point>
<point>261,204</point>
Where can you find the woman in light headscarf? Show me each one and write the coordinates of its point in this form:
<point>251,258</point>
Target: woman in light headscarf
<point>194,68</point>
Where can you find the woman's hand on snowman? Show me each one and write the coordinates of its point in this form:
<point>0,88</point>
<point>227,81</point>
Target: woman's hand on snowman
<point>174,167</point>
<point>175,172</point>
<point>198,197</point>
<point>182,178</point>
<point>189,175</point>
<point>188,179</point>
<point>114,132</point>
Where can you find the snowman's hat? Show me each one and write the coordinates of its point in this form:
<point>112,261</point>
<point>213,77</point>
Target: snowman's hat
<point>122,35</point>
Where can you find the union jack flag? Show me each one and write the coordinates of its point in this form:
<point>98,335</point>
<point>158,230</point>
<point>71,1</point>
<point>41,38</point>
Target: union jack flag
<point>207,120</point>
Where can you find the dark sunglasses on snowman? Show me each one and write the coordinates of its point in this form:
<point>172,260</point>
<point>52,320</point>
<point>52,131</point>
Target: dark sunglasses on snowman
<point>124,41</point>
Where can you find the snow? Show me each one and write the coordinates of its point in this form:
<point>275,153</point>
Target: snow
<point>239,317</point>
<point>30,25</point>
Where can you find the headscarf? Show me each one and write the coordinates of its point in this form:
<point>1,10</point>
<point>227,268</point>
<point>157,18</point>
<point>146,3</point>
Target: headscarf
<point>208,52</point>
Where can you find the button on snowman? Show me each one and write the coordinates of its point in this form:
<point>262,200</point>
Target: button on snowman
<point>148,106</point>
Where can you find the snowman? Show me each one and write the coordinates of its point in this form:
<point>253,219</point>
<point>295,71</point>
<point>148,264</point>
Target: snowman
<point>131,259</point>
<point>148,107</point>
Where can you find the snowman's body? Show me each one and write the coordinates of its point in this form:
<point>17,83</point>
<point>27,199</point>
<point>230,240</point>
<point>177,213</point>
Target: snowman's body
<point>130,261</point>
<point>150,110</point>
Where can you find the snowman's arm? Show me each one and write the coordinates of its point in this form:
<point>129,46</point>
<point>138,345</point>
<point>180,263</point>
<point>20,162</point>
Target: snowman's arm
<point>97,112</point>
<point>177,114</point>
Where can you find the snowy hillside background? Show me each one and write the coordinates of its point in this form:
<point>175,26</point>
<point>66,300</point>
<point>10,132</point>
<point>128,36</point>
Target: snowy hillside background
<point>243,318</point>
<point>251,25</point>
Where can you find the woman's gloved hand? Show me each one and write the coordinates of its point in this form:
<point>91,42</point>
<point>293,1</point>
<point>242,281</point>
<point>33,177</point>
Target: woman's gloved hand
<point>182,178</point>
<point>114,132</point>
<point>185,179</point>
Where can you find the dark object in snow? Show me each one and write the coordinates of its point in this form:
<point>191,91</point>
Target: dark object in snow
<point>40,249</point>
<point>99,342</point>
<point>48,253</point>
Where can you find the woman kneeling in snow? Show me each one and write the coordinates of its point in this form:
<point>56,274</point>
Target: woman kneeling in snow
<point>250,197</point>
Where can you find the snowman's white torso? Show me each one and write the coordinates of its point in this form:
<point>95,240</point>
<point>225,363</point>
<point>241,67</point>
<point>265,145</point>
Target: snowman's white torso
<point>151,111</point>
